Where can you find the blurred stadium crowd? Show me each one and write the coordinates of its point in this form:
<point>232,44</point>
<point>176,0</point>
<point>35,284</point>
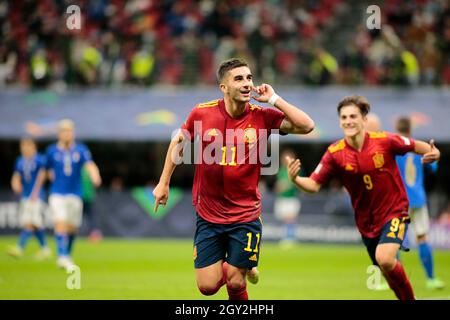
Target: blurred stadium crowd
<point>143,42</point>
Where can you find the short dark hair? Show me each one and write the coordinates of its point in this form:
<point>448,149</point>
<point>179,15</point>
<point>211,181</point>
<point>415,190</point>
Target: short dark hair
<point>403,125</point>
<point>228,65</point>
<point>357,101</point>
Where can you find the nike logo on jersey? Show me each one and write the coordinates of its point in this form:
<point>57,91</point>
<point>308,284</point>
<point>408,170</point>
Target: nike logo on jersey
<point>213,133</point>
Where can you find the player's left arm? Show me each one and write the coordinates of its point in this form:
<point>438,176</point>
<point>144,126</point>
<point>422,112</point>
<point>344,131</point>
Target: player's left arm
<point>91,167</point>
<point>296,121</point>
<point>428,151</point>
<point>40,180</point>
<point>94,173</point>
<point>401,145</point>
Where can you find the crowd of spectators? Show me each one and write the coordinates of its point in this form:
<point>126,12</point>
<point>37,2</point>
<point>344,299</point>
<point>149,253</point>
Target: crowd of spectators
<point>181,42</point>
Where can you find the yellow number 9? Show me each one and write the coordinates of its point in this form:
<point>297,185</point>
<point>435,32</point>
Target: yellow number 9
<point>394,224</point>
<point>368,181</point>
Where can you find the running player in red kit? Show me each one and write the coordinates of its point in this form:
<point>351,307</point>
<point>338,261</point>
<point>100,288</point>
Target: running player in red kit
<point>365,163</point>
<point>225,191</point>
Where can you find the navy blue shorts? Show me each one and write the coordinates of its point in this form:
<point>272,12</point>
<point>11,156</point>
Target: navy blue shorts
<point>237,243</point>
<point>393,231</point>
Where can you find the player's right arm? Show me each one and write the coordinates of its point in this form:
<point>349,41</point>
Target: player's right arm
<point>40,178</point>
<point>161,191</point>
<point>305,183</point>
<point>16,183</point>
<point>16,180</point>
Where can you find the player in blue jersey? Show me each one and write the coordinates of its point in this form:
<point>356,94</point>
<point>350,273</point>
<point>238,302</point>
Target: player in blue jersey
<point>27,180</point>
<point>65,160</point>
<point>412,172</point>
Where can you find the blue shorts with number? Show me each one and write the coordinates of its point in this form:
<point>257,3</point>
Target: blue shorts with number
<point>393,231</point>
<point>237,243</point>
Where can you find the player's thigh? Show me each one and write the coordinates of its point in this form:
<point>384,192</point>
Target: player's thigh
<point>36,210</point>
<point>386,254</point>
<point>371,247</point>
<point>31,212</point>
<point>209,243</point>
<point>74,211</point>
<point>209,276</point>
<point>420,220</point>
<point>25,217</point>
<point>244,241</point>
<point>391,239</point>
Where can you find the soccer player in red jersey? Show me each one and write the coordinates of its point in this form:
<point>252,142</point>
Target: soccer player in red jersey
<point>225,191</point>
<point>365,163</point>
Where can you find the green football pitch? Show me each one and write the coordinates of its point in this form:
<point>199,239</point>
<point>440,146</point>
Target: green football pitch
<point>163,269</point>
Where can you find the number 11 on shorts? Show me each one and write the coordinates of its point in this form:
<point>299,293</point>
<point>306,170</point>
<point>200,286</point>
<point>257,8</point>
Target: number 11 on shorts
<point>249,242</point>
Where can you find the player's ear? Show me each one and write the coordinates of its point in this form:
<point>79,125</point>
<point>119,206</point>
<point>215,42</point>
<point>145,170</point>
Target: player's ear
<point>223,87</point>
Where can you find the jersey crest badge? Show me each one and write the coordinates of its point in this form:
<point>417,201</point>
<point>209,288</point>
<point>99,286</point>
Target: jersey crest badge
<point>250,135</point>
<point>76,157</point>
<point>378,160</point>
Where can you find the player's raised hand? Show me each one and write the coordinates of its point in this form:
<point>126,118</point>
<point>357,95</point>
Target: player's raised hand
<point>433,155</point>
<point>264,91</point>
<point>161,194</point>
<point>294,167</point>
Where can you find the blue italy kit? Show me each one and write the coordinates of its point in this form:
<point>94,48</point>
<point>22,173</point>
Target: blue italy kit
<point>28,168</point>
<point>412,172</point>
<point>67,165</point>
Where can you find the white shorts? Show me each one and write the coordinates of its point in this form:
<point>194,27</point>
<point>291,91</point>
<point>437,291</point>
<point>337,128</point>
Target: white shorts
<point>287,208</point>
<point>420,220</point>
<point>31,212</point>
<point>66,208</point>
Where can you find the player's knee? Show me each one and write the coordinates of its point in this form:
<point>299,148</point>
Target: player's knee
<point>236,283</point>
<point>61,227</point>
<point>421,238</point>
<point>386,261</point>
<point>208,290</point>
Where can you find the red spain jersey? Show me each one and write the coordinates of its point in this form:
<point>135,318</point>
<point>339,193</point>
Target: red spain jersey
<point>225,188</point>
<point>370,176</point>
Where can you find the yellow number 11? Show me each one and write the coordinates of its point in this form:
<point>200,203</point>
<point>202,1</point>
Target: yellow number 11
<point>249,242</point>
<point>224,157</point>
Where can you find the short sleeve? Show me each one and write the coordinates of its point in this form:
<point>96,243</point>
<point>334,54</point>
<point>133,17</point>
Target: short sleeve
<point>42,163</point>
<point>85,154</point>
<point>49,158</point>
<point>188,126</point>
<point>324,170</point>
<point>273,118</point>
<point>400,144</point>
<point>17,165</point>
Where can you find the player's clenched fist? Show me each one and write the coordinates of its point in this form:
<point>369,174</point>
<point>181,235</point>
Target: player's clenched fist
<point>433,155</point>
<point>294,167</point>
<point>161,194</point>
